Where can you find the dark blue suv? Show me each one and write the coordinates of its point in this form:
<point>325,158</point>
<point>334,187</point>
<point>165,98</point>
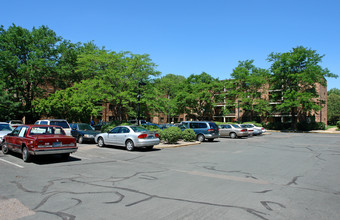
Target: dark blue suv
<point>203,129</point>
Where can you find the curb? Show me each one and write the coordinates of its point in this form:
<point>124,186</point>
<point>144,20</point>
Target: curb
<point>183,144</point>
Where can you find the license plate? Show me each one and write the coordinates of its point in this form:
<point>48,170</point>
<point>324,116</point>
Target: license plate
<point>57,144</point>
<point>150,136</point>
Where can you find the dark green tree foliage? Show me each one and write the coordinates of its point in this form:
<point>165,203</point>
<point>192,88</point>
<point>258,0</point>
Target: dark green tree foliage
<point>162,95</point>
<point>111,78</point>
<point>295,73</point>
<point>199,95</point>
<point>30,61</point>
<point>247,86</point>
<point>333,106</point>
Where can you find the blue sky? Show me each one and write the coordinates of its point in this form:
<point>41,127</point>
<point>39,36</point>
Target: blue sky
<point>187,37</point>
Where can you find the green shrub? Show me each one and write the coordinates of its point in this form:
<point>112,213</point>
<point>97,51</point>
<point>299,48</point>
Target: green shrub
<point>320,126</point>
<point>338,124</point>
<point>188,135</point>
<point>107,127</point>
<point>159,132</point>
<point>171,135</point>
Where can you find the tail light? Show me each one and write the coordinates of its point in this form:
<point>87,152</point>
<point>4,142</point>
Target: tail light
<point>157,135</point>
<point>262,128</point>
<point>209,130</point>
<point>243,130</point>
<point>141,136</point>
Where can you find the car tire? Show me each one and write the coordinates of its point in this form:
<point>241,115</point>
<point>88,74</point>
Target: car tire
<point>129,145</point>
<point>4,149</point>
<point>80,139</point>
<point>233,135</point>
<point>200,137</point>
<point>26,157</point>
<point>101,142</point>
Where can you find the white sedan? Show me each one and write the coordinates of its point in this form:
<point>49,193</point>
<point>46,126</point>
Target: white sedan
<point>128,136</point>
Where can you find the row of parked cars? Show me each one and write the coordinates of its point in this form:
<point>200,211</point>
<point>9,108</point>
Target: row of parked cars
<point>57,136</point>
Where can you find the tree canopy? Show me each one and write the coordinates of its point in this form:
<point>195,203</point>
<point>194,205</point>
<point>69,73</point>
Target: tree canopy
<point>31,61</point>
<point>296,73</point>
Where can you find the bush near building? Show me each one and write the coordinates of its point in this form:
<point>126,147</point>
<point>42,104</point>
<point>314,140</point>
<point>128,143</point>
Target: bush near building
<point>188,135</point>
<point>172,135</point>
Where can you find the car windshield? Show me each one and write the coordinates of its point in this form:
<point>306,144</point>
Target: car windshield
<point>138,129</point>
<point>235,126</point>
<point>85,127</point>
<point>46,130</point>
<point>5,127</point>
<point>62,124</point>
<point>16,122</point>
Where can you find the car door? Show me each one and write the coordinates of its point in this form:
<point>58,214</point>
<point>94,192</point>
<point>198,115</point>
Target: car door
<point>111,136</point>
<point>223,130</point>
<point>228,129</point>
<point>11,138</point>
<point>20,139</point>
<point>121,136</point>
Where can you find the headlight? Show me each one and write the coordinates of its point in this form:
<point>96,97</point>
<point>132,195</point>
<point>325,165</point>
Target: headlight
<point>88,136</point>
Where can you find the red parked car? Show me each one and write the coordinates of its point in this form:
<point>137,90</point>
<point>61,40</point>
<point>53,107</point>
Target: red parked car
<point>30,140</point>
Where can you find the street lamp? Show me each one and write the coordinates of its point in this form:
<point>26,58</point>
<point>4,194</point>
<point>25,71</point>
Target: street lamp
<point>140,83</point>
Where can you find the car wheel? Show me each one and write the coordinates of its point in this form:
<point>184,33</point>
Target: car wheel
<point>129,145</point>
<point>25,155</point>
<point>4,148</point>
<point>233,135</point>
<point>80,139</point>
<point>200,137</point>
<point>101,142</point>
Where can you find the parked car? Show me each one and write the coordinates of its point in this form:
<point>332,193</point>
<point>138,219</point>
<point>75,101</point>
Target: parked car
<point>203,129</point>
<point>60,122</point>
<point>233,131</point>
<point>99,126</point>
<point>129,136</point>
<point>30,140</point>
<point>15,123</point>
<point>83,132</point>
<point>5,128</point>
<point>252,129</point>
<point>260,128</point>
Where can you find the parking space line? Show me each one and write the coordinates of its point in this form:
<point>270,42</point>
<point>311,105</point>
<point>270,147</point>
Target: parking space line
<point>11,163</point>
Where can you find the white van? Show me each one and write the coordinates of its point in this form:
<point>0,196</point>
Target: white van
<point>60,122</point>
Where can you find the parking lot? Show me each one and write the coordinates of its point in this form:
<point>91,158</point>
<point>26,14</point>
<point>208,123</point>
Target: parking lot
<point>274,176</point>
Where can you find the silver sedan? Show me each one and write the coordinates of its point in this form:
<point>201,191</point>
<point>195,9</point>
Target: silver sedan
<point>233,131</point>
<point>129,137</point>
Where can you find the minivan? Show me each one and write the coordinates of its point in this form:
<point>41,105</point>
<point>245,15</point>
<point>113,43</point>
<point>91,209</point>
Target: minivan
<point>204,130</point>
<point>60,122</point>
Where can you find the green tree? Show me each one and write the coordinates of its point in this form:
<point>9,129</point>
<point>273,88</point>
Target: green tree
<point>30,62</point>
<point>162,95</point>
<point>199,96</point>
<point>296,73</point>
<point>333,106</point>
<point>112,78</point>
<point>247,86</point>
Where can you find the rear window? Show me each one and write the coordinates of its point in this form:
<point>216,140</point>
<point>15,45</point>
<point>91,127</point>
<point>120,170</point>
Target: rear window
<point>62,124</point>
<point>213,125</point>
<point>46,130</point>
